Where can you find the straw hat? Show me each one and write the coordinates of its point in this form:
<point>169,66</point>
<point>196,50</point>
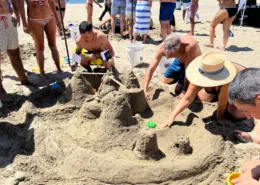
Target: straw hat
<point>210,70</point>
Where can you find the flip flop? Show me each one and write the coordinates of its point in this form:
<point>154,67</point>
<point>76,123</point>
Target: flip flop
<point>240,138</point>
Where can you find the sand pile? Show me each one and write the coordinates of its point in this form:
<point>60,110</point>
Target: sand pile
<point>101,138</point>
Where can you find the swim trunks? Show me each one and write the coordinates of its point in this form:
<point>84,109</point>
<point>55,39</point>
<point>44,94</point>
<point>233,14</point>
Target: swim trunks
<point>166,11</point>
<point>8,33</point>
<point>176,71</point>
<point>193,9</point>
<point>118,7</point>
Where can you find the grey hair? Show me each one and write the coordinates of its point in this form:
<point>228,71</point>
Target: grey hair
<point>172,42</point>
<point>245,87</point>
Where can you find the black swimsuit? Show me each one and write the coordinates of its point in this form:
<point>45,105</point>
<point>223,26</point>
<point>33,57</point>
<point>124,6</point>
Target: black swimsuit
<point>214,92</point>
<point>62,9</point>
<point>231,12</point>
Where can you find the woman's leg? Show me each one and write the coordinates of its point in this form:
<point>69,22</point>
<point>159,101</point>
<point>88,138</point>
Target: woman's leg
<point>130,27</point>
<point>226,25</point>
<point>51,36</point>
<point>221,15</point>
<point>38,37</point>
<point>183,14</point>
<point>89,12</point>
<point>104,12</point>
<point>135,36</point>
<point>204,96</point>
<point>145,38</point>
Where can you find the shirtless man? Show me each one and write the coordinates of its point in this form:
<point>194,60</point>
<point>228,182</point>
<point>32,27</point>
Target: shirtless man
<point>94,42</point>
<point>9,19</point>
<point>185,49</point>
<point>244,93</point>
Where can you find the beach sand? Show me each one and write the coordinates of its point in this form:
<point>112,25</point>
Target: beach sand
<point>81,138</point>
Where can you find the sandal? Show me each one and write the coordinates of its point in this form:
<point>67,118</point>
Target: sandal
<point>208,45</point>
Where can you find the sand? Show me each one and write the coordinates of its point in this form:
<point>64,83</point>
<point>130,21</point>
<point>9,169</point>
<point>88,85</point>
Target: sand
<point>75,136</point>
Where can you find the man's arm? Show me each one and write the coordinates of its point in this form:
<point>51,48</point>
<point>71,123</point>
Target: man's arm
<point>149,73</point>
<point>105,45</point>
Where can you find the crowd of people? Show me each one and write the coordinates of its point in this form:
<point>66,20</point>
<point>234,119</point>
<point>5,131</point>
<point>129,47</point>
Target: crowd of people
<point>209,77</point>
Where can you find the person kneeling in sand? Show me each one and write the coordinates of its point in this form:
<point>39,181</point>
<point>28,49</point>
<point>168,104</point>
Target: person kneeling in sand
<point>184,49</point>
<point>244,93</point>
<point>94,42</point>
<point>209,77</point>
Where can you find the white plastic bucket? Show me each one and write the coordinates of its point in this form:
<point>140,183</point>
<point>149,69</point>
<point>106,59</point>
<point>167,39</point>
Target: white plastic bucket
<point>74,32</point>
<point>134,53</point>
<point>164,64</point>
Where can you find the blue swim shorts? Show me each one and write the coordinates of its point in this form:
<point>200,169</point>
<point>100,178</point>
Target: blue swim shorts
<point>166,11</point>
<point>118,7</point>
<point>176,71</point>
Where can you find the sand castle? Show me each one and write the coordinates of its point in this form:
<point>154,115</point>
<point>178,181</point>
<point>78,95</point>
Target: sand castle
<point>100,138</point>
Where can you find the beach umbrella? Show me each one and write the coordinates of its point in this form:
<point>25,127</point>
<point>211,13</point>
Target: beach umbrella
<point>132,21</point>
<point>73,67</point>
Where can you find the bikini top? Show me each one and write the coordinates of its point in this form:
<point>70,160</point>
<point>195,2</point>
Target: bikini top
<point>214,91</point>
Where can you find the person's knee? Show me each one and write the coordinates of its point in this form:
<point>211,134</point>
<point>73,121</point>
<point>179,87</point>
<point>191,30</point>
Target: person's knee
<point>167,80</point>
<point>14,53</point>
<point>53,47</point>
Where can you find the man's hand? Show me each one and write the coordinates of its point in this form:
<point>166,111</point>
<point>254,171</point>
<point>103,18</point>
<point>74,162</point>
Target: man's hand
<point>245,180</point>
<point>26,29</point>
<point>92,57</point>
<point>15,20</point>
<point>168,123</point>
<point>147,96</point>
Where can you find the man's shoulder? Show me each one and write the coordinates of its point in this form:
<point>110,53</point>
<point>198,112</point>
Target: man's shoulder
<point>100,34</point>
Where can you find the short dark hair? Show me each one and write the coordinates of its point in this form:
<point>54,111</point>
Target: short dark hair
<point>245,87</point>
<point>84,27</point>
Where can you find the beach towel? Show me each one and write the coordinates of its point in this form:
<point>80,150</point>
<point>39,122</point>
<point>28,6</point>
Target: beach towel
<point>143,15</point>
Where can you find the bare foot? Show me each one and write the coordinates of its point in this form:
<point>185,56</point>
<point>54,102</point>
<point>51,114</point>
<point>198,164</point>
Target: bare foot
<point>209,45</point>
<point>59,71</point>
<point>44,77</point>
<point>222,48</point>
<point>249,136</point>
<point>191,34</point>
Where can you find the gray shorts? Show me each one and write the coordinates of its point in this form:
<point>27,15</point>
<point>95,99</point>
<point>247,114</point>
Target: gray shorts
<point>118,7</point>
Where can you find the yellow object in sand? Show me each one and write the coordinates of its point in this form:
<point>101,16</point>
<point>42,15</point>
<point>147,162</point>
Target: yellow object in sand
<point>35,69</point>
<point>61,61</point>
<point>232,176</point>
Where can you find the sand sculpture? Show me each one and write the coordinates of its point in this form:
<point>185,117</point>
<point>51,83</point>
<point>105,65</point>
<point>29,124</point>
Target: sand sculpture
<point>101,138</point>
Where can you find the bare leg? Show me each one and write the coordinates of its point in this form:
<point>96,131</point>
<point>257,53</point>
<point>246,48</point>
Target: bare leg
<point>221,15</point>
<point>226,25</point>
<point>89,12</point>
<point>168,26</point>
<point>163,29</point>
<point>38,37</point>
<point>49,30</point>
<point>135,36</point>
<point>130,28</point>
<point>167,80</point>
<point>3,94</point>
<point>122,25</point>
<point>113,24</point>
<point>183,14</point>
<point>17,64</point>
<point>145,38</point>
<point>192,23</point>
